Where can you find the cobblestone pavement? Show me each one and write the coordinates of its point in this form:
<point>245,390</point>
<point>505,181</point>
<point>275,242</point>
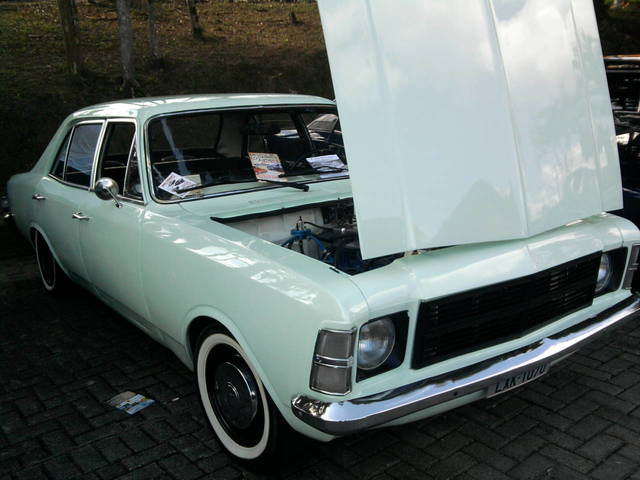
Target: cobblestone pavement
<point>62,358</point>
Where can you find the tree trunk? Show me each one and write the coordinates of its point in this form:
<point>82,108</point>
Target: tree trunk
<point>196,29</point>
<point>153,32</point>
<point>70,29</point>
<point>125,33</point>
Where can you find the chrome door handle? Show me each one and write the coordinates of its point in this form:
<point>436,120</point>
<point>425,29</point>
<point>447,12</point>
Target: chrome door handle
<point>80,216</point>
<point>38,197</point>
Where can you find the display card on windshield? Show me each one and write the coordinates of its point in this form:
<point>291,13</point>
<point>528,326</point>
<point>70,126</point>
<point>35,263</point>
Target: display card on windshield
<point>266,166</point>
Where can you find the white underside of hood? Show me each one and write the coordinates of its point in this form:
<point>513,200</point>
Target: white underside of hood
<point>471,120</point>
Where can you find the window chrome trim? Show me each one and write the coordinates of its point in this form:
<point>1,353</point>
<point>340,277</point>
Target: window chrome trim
<point>66,153</point>
<point>96,155</point>
<point>133,144</point>
<point>68,184</point>
<point>284,106</point>
<point>71,132</point>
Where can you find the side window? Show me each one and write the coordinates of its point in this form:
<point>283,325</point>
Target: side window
<point>81,152</point>
<point>58,165</point>
<point>115,152</point>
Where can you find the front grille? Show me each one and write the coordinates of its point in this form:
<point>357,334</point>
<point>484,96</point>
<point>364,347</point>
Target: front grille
<point>490,315</point>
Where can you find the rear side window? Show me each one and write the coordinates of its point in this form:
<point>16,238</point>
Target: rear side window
<point>58,166</point>
<point>81,152</point>
<point>74,161</point>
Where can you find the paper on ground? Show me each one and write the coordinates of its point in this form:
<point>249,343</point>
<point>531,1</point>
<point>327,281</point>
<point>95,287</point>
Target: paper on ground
<point>130,402</point>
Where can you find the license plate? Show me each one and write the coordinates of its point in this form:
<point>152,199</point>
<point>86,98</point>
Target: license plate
<point>514,381</point>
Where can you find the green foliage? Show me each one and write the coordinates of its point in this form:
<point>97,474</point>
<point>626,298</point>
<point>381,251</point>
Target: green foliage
<point>250,47</point>
<point>247,47</point>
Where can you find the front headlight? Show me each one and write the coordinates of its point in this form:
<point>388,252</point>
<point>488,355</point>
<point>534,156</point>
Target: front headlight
<point>604,272</point>
<point>375,343</point>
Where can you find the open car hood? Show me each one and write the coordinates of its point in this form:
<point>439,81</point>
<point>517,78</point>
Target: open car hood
<point>471,121</point>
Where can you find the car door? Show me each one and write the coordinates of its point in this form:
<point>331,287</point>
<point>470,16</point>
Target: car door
<point>59,194</point>
<point>110,238</point>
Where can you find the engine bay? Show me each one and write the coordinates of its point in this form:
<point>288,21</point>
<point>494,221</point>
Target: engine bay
<point>328,233</point>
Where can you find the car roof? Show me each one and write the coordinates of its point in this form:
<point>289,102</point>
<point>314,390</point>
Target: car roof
<point>144,108</point>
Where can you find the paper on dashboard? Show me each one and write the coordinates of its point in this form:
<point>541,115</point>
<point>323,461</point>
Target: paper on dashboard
<point>329,165</point>
<point>266,166</point>
<point>174,183</point>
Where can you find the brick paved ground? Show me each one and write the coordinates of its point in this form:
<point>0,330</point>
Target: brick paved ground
<point>61,359</point>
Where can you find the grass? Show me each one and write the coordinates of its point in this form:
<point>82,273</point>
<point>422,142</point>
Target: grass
<point>247,47</point>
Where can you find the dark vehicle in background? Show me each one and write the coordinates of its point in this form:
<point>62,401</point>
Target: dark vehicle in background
<point>623,76</point>
<point>628,140</point>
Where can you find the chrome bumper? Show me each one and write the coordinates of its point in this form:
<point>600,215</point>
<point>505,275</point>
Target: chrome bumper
<point>346,417</point>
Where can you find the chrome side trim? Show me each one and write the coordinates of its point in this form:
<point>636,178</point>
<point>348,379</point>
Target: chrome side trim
<point>68,184</point>
<point>333,362</point>
<point>346,417</point>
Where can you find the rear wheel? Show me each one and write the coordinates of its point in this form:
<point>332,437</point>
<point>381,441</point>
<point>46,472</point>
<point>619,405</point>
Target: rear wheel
<point>243,417</point>
<point>53,278</point>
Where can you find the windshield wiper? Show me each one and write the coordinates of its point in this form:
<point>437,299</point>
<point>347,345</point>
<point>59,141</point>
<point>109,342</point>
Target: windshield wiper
<point>303,171</point>
<point>213,184</point>
<point>300,186</point>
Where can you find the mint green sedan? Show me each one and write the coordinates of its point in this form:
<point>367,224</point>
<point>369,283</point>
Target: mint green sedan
<point>261,288</point>
<point>443,240</point>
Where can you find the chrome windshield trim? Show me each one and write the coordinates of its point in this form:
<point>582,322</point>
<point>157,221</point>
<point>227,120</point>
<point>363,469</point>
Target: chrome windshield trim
<point>350,416</point>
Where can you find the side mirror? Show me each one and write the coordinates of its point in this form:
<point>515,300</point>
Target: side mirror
<point>107,189</point>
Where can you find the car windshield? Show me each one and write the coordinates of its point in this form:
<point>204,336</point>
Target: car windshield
<point>215,152</point>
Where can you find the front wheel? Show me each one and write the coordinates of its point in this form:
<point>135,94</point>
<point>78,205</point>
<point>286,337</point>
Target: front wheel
<point>243,417</point>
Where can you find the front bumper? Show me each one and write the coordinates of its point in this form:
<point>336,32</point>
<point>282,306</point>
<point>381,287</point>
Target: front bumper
<point>346,417</point>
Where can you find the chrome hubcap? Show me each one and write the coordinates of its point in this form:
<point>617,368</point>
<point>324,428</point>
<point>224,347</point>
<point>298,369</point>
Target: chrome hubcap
<point>236,394</point>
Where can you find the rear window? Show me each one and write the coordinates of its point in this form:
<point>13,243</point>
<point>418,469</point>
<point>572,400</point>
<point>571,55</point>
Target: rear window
<point>74,162</point>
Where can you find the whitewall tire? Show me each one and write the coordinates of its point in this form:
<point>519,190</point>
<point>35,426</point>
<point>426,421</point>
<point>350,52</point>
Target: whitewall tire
<point>236,403</point>
<point>51,275</point>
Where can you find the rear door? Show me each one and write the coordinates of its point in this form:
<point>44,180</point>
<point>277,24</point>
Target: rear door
<point>58,195</point>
